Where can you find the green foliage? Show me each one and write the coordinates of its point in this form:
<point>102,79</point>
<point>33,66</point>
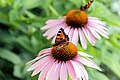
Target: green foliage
<point>21,39</point>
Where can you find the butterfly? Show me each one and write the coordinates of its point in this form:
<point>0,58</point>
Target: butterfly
<point>61,39</point>
<point>87,5</point>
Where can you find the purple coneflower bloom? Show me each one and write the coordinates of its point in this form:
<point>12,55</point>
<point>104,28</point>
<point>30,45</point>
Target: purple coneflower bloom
<point>77,25</point>
<point>54,64</point>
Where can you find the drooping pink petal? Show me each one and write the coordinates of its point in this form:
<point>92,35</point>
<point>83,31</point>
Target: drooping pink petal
<point>89,36</point>
<point>44,72</point>
<point>70,34</point>
<point>82,70</point>
<point>82,39</point>
<point>48,50</point>
<point>99,25</point>
<point>39,62</point>
<point>77,70</point>
<point>71,70</point>
<point>75,36</point>
<point>84,54</point>
<point>101,33</point>
<point>63,72</point>
<point>94,33</point>
<point>38,69</point>
<point>54,32</point>
<point>32,61</point>
<point>92,21</point>
<point>88,62</point>
<point>99,28</point>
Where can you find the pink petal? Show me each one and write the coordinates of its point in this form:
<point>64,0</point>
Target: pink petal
<point>83,71</point>
<point>55,30</point>
<point>89,35</point>
<point>67,29</point>
<point>94,33</point>
<point>55,21</point>
<point>93,18</point>
<point>99,28</point>
<point>38,69</point>
<point>91,21</point>
<point>75,37</point>
<point>82,39</point>
<point>50,72</point>
<point>84,54</point>
<point>32,61</point>
<point>38,63</point>
<point>76,68</point>
<point>101,33</point>
<point>54,72</point>
<point>48,50</point>
<point>53,24</point>
<point>88,62</point>
<point>71,70</point>
<point>45,71</point>
<point>71,34</point>
<point>53,40</point>
<point>63,72</point>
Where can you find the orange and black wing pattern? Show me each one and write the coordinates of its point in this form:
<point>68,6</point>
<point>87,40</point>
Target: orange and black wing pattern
<point>87,5</point>
<point>61,36</point>
<point>61,39</point>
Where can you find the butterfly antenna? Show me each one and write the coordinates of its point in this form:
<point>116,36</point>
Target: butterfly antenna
<point>83,8</point>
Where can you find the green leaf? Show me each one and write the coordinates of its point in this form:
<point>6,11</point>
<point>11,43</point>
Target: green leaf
<point>3,18</point>
<point>2,74</point>
<point>25,43</point>
<point>10,56</point>
<point>17,71</point>
<point>95,75</point>
<point>29,4</point>
<point>112,59</point>
<point>13,15</point>
<point>38,41</point>
<point>30,14</point>
<point>17,4</point>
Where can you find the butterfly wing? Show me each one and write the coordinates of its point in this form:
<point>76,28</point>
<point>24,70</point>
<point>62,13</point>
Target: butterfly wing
<point>61,39</point>
<point>87,5</point>
<point>61,36</point>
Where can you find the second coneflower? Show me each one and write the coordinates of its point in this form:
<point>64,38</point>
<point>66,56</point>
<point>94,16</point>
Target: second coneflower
<point>77,24</point>
<point>61,60</point>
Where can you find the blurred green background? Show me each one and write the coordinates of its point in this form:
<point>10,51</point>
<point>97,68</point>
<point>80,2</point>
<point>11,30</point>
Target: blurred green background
<point>21,38</point>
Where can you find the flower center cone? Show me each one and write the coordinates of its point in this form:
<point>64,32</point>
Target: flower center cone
<point>64,52</point>
<point>76,18</point>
